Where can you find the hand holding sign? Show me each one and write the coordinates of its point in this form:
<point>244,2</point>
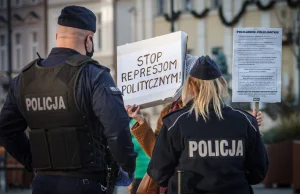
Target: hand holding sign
<point>134,112</point>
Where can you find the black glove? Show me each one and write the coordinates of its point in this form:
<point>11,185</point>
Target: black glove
<point>28,168</point>
<point>130,175</point>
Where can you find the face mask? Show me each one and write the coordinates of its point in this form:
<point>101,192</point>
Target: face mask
<point>90,54</point>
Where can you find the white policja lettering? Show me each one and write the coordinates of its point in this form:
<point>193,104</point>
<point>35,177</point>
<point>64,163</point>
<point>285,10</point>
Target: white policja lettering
<point>215,148</point>
<point>45,103</point>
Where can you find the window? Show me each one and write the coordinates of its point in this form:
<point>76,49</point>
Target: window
<point>187,5</point>
<point>161,6</point>
<point>34,37</point>
<point>35,1</point>
<point>2,4</point>
<point>99,32</point>
<point>2,40</point>
<point>3,48</point>
<point>18,2</point>
<point>18,52</point>
<point>18,38</point>
<point>214,4</point>
<point>190,51</point>
<point>35,45</point>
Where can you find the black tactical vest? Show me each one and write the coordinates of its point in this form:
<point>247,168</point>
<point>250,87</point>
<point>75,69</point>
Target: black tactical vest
<point>60,138</point>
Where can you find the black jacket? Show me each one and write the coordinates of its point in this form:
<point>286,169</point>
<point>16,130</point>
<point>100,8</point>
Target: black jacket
<point>218,156</point>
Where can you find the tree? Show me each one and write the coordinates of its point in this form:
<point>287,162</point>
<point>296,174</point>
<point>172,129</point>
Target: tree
<point>291,30</point>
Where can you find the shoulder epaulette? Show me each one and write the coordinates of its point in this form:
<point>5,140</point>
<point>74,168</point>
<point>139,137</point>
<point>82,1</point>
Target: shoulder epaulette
<point>78,60</point>
<point>172,113</point>
<point>171,119</point>
<point>30,64</point>
<point>245,112</point>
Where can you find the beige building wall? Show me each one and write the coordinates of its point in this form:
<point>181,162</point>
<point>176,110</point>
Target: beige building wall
<point>189,25</point>
<point>161,26</point>
<point>214,33</point>
<point>27,18</point>
<point>28,37</point>
<point>252,19</point>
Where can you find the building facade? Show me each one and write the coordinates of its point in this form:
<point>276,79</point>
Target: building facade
<point>28,35</point>
<point>34,24</point>
<point>207,28</point>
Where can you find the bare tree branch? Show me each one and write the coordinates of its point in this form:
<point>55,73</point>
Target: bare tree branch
<point>282,24</point>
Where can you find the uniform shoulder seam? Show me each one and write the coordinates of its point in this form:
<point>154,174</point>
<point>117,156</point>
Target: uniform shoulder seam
<point>184,113</point>
<point>98,65</point>
<point>241,112</point>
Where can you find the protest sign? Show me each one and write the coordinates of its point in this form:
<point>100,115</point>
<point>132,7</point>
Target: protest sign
<point>257,54</point>
<point>150,72</point>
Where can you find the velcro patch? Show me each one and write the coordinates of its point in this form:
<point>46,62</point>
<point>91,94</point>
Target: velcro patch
<point>113,90</point>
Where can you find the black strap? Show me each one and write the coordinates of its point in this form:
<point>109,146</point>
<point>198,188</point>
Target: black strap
<point>30,64</point>
<point>78,60</point>
<point>98,177</point>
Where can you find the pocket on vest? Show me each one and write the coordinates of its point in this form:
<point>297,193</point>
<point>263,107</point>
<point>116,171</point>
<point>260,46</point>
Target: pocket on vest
<point>64,148</point>
<point>61,148</point>
<point>39,150</point>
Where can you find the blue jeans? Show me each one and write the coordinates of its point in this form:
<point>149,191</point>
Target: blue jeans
<point>49,184</point>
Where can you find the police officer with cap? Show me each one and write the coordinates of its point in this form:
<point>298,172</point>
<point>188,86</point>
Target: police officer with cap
<point>75,112</point>
<point>217,148</point>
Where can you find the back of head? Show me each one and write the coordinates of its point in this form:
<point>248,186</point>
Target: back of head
<point>77,17</point>
<point>75,25</point>
<point>206,87</point>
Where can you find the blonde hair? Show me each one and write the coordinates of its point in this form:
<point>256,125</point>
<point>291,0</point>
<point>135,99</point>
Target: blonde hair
<point>205,94</point>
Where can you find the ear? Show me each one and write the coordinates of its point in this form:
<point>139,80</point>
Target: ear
<point>88,41</point>
<point>56,36</point>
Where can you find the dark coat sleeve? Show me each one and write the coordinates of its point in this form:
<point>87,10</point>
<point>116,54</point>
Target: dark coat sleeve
<point>256,163</point>
<point>13,126</point>
<point>109,108</point>
<point>165,156</point>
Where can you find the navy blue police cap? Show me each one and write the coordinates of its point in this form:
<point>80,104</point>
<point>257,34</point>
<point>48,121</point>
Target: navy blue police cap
<point>77,17</point>
<point>205,69</point>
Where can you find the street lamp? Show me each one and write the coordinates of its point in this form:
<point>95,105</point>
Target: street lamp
<point>9,74</point>
<point>172,16</point>
<point>298,57</point>
<point>9,40</point>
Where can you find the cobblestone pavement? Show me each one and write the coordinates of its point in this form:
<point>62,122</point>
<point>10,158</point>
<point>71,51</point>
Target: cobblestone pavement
<point>259,189</point>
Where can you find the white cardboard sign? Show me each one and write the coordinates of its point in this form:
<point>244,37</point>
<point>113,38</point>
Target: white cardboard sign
<point>257,54</point>
<point>150,71</point>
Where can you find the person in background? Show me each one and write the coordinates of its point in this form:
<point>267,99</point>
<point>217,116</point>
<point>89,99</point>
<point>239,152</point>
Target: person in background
<point>218,148</point>
<point>146,136</point>
<point>142,162</point>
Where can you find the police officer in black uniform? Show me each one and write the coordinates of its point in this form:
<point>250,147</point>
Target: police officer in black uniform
<point>218,149</point>
<point>74,111</point>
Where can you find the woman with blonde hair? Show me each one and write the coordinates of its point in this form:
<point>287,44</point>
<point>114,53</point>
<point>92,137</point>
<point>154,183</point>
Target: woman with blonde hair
<point>218,148</point>
<point>147,137</point>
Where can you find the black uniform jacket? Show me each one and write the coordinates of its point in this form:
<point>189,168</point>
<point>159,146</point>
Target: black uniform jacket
<point>217,156</point>
<point>104,107</point>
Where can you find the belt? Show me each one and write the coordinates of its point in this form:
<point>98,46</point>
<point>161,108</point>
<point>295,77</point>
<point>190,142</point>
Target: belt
<point>99,177</point>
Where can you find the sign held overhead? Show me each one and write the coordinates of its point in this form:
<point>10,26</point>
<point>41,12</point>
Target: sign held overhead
<point>257,54</point>
<point>150,71</point>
